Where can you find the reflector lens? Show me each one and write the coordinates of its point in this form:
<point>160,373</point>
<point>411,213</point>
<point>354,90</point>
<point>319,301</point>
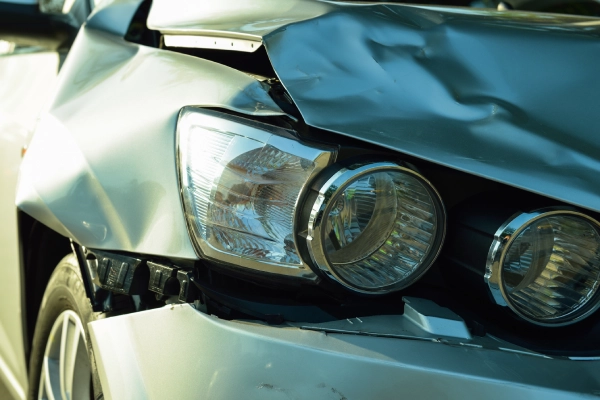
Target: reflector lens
<point>551,270</point>
<point>381,230</point>
<point>245,201</point>
<point>241,182</point>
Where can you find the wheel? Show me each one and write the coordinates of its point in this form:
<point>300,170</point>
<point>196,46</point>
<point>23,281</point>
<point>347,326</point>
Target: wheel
<point>62,363</point>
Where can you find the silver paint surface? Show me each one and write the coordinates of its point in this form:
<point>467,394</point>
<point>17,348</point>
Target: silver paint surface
<point>251,20</point>
<point>237,359</point>
<point>509,96</point>
<point>422,320</point>
<point>101,167</point>
<point>113,16</point>
<point>434,319</point>
<point>26,83</point>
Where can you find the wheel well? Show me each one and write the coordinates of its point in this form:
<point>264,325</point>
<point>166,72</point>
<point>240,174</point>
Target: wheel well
<point>41,250</point>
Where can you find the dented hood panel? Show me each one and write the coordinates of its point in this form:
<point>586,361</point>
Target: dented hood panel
<point>509,96</point>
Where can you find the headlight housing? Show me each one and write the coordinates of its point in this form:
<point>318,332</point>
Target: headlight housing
<point>545,266</point>
<point>375,227</point>
<point>241,182</point>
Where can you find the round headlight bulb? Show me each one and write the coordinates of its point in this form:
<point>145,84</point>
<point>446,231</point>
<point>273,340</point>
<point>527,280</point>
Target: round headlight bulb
<point>376,228</point>
<point>546,266</point>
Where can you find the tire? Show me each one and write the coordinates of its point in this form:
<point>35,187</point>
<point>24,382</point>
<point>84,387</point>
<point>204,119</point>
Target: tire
<point>65,312</point>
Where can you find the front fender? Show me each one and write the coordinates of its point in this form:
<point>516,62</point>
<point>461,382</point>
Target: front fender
<point>101,167</point>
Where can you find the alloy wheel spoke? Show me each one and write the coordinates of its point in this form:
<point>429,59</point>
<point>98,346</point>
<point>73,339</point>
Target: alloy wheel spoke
<point>63,350</point>
<point>66,367</point>
<point>68,352</point>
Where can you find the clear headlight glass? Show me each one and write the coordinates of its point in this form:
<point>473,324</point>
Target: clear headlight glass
<point>241,182</point>
<point>382,226</point>
<point>549,266</point>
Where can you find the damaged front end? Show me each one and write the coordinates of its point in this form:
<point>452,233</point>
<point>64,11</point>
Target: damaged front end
<point>405,193</point>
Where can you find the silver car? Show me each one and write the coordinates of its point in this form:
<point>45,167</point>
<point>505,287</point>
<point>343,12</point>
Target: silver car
<point>299,199</point>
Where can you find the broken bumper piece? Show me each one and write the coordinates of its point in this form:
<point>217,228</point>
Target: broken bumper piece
<point>179,350</point>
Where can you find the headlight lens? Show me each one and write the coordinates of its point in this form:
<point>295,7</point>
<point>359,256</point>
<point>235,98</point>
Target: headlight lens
<point>241,182</point>
<point>547,266</point>
<point>376,227</point>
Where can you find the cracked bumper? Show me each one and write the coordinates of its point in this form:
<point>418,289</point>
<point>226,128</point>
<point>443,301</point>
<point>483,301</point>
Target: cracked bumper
<point>178,352</point>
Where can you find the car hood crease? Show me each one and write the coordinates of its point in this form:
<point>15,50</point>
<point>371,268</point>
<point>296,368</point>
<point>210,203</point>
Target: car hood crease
<point>509,96</point>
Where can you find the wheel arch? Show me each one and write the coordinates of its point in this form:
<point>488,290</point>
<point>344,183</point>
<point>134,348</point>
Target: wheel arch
<point>41,249</point>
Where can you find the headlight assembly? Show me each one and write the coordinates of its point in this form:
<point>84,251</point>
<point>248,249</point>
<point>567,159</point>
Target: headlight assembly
<point>375,228</point>
<point>546,266</point>
<point>252,199</point>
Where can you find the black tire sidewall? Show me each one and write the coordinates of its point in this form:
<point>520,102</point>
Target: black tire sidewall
<point>65,291</point>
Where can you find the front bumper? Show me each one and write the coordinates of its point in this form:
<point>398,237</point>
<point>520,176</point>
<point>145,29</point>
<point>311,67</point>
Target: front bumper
<point>179,352</point>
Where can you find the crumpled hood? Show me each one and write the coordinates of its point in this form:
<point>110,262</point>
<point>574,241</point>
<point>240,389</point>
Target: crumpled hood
<point>509,96</point>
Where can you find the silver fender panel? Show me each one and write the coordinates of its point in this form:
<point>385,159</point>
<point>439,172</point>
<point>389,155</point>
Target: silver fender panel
<point>101,167</point>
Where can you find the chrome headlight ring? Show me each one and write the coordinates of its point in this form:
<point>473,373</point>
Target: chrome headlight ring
<point>389,250</point>
<point>513,230</point>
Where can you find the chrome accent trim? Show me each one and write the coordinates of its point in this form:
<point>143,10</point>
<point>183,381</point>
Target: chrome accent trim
<point>524,352</point>
<point>322,206</point>
<point>504,237</point>
<point>260,132</point>
<point>212,42</point>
